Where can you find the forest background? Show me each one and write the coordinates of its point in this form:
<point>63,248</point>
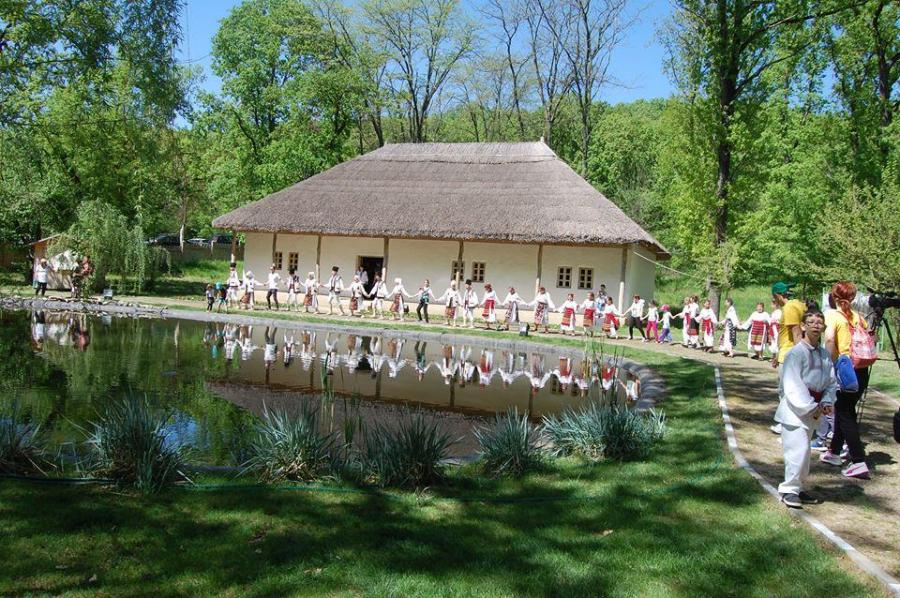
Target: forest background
<point>776,157</point>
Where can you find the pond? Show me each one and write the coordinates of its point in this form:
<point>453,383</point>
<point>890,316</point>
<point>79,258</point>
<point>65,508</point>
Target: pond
<point>217,378</point>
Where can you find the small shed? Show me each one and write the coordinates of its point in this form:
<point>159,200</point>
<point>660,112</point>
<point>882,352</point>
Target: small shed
<point>63,264</point>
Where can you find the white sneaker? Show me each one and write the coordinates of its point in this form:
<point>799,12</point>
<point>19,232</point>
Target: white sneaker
<point>845,452</point>
<point>856,470</point>
<point>776,428</point>
<point>831,459</point>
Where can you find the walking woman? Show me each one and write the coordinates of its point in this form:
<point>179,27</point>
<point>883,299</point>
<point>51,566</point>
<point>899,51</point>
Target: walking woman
<point>841,323</point>
<point>511,303</point>
<point>426,295</point>
<point>543,305</point>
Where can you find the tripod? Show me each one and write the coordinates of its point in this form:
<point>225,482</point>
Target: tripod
<point>877,322</point>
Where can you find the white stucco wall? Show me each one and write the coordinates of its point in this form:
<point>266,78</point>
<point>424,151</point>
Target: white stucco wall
<point>506,264</point>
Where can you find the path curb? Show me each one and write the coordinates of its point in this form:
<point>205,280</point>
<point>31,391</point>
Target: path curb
<point>861,560</point>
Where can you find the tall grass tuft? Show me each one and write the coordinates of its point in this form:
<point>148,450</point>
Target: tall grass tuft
<point>291,447</point>
<point>599,432</point>
<point>129,445</point>
<point>511,445</point>
<point>408,453</point>
<point>22,449</point>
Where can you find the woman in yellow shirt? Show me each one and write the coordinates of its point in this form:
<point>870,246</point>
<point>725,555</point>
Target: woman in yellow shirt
<point>838,335</point>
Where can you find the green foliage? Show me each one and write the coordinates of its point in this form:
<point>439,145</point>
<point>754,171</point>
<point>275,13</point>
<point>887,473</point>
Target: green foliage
<point>290,447</point>
<point>129,444</point>
<point>407,453</point>
<point>598,432</point>
<point>22,442</point>
<point>511,444</point>
<point>114,247</point>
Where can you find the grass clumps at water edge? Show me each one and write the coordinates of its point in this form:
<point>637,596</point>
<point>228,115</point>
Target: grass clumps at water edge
<point>22,447</point>
<point>600,431</point>
<point>129,444</point>
<point>510,445</point>
<point>408,453</point>
<point>290,447</point>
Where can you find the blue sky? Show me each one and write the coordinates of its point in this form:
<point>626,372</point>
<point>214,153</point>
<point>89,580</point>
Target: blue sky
<point>637,64</point>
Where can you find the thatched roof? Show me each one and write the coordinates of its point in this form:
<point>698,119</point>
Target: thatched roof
<point>520,192</point>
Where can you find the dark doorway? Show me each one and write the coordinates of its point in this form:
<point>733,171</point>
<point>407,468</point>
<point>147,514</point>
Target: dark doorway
<point>372,265</point>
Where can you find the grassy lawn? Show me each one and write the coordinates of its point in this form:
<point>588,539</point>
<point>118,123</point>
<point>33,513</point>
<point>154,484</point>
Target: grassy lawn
<point>682,522</point>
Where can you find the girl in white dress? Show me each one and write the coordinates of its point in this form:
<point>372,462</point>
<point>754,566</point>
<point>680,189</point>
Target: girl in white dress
<point>708,321</point>
<point>758,325</point>
<point>568,310</point>
<point>489,301</point>
<point>543,305</point>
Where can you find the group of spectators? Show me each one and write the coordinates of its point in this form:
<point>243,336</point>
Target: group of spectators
<point>80,276</point>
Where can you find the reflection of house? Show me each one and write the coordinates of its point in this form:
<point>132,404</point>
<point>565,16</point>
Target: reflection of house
<point>512,214</point>
<point>60,277</point>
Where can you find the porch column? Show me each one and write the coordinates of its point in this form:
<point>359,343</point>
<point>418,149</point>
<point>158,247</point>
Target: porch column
<point>233,245</point>
<point>622,277</point>
<point>274,240</point>
<point>540,259</point>
<point>384,262</point>
<point>459,259</point>
<point>318,255</point>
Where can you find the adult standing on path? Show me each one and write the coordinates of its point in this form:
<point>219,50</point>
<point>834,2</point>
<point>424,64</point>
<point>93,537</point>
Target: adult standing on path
<point>636,318</point>
<point>234,283</point>
<point>272,282</point>
<point>41,269</point>
<point>789,332</point>
<point>840,322</point>
<point>807,391</point>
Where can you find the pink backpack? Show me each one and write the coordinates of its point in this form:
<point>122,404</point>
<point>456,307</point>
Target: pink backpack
<point>862,345</point>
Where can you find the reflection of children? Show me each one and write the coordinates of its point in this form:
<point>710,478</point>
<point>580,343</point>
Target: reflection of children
<point>632,386</point>
<point>210,297</point>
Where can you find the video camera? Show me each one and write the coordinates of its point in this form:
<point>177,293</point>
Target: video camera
<point>882,301</point>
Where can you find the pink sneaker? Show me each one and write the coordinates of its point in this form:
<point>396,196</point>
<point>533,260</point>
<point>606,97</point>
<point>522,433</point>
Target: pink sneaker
<point>857,470</point>
<point>830,458</point>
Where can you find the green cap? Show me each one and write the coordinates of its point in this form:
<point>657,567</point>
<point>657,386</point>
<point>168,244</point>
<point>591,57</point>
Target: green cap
<point>783,288</point>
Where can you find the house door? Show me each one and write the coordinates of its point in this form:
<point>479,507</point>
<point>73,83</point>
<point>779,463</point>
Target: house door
<point>372,266</point>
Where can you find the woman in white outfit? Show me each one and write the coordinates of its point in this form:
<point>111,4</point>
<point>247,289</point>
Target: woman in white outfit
<point>807,391</point>
<point>543,305</point>
<point>398,297</point>
<point>469,303</point>
<point>512,303</point>
<point>489,301</point>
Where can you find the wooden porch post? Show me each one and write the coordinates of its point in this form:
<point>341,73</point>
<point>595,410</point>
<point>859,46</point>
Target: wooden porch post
<point>233,245</point>
<point>384,262</point>
<point>622,277</point>
<point>459,258</point>
<point>318,256</point>
<point>274,240</point>
<point>540,259</point>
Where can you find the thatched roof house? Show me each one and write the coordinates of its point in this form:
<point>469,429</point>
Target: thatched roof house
<point>507,193</point>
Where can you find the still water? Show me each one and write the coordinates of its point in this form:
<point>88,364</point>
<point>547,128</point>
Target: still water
<point>217,378</point>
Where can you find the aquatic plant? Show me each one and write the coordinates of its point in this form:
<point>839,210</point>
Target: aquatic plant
<point>22,446</point>
<point>599,431</point>
<point>511,444</point>
<point>407,453</point>
<point>291,447</point>
<point>129,444</point>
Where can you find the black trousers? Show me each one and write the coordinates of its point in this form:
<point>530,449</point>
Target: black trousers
<point>272,294</point>
<point>635,323</point>
<point>845,427</point>
<point>41,289</point>
<point>423,306</point>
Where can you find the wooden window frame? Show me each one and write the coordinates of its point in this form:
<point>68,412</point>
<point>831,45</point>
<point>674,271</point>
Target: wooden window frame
<point>458,266</point>
<point>478,276</point>
<point>559,277</point>
<point>277,259</point>
<point>588,284</point>
<point>293,260</point>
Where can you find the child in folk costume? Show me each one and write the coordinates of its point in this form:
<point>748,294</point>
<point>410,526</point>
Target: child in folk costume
<point>652,319</point>
<point>335,286</point>
<point>249,285</point>
<point>311,293</point>
<point>398,296</point>
<point>632,386</point>
<point>590,308</point>
<point>686,315</point>
<point>485,367</point>
<point>450,298</point>
<point>426,296</point>
<point>469,302</point>
<point>512,303</point>
<point>489,301</point>
<point>513,367</point>
<point>448,365</point>
<point>610,318</point>
<point>807,391</point>
<point>607,377</point>
<point>707,321</point>
<point>543,305</point>
<point>774,325</point>
<point>694,327</point>
<point>568,310</point>
<point>234,284</point>
<point>377,295</point>
<point>537,376</point>
<point>357,292</point>
<point>666,319</point>
<point>293,289</point>
<point>758,324</point>
<point>731,322</point>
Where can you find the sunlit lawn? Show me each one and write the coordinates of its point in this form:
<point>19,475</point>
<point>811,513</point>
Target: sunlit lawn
<point>682,522</point>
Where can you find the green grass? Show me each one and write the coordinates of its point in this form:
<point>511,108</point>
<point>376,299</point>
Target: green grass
<point>682,522</point>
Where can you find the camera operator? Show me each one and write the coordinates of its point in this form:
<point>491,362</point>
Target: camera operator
<point>840,321</point>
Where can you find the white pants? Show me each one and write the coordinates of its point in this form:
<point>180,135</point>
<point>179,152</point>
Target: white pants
<point>334,298</point>
<point>233,294</point>
<point>292,299</point>
<point>795,442</point>
<point>468,315</point>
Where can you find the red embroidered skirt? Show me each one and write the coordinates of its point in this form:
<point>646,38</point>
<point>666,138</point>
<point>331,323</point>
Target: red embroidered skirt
<point>488,308</point>
<point>588,317</point>
<point>567,316</point>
